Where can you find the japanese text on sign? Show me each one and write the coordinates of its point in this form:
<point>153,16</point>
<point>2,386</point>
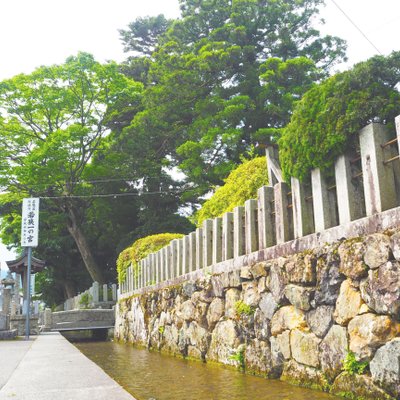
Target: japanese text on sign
<point>30,222</point>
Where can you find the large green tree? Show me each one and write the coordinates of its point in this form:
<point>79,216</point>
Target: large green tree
<point>225,76</point>
<point>53,127</point>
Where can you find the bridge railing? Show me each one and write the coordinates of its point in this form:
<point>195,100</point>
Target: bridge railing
<point>97,296</point>
<point>361,185</point>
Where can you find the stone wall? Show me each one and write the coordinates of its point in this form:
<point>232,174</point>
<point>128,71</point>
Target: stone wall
<point>296,318</point>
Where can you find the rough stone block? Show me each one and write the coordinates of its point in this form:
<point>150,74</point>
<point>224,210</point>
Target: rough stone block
<point>299,296</point>
<point>304,347</point>
<point>320,320</point>
<point>352,259</point>
<point>348,303</point>
<point>257,357</point>
<point>377,250</point>
<point>287,317</point>
<point>268,305</point>
<point>215,312</point>
<point>231,297</point>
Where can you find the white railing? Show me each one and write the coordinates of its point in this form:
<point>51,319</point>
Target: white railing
<point>360,185</point>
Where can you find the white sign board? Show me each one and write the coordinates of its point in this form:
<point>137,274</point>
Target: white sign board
<point>30,222</point>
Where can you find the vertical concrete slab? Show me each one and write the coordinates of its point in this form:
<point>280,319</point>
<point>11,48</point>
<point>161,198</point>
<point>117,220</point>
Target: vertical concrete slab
<point>273,167</point>
<point>348,196</point>
<point>95,292</point>
<point>378,177</point>
<point>227,236</point>
<point>266,222</point>
<point>174,258</point>
<point>105,287</point>
<point>207,242</point>
<point>199,248</point>
<point>303,218</point>
<point>192,251</point>
<point>283,223</point>
<point>217,241</point>
<point>165,263</point>
<point>114,292</point>
<point>324,216</point>
<point>251,225</point>
<point>185,259</point>
<point>179,266</point>
<point>238,232</point>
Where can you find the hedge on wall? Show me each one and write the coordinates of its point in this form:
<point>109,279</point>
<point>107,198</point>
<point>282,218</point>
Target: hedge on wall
<point>326,120</point>
<point>140,249</point>
<point>241,184</point>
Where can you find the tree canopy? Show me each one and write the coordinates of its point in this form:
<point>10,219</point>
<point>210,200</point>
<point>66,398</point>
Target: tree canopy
<point>327,119</point>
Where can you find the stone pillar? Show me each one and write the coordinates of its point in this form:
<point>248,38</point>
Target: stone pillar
<point>164,264</point>
<point>303,221</point>
<point>114,292</point>
<point>186,252</point>
<point>273,167</point>
<point>266,222</point>
<point>17,286</point>
<point>179,258</point>
<point>283,225</point>
<point>350,200</point>
<point>378,177</point>
<point>324,210</point>
<point>251,227</point>
<point>207,242</point>
<point>227,236</point>
<point>174,258</point>
<point>6,301</point>
<point>48,320</point>
<point>168,258</point>
<point>105,287</point>
<point>199,248</point>
<point>158,266</point>
<point>192,251</point>
<point>95,292</point>
<point>217,241</point>
<point>238,231</point>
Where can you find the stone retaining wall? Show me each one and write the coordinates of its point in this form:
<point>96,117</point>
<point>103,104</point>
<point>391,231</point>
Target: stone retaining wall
<point>296,318</point>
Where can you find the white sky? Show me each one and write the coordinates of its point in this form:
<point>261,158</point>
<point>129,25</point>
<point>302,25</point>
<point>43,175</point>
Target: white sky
<point>44,32</point>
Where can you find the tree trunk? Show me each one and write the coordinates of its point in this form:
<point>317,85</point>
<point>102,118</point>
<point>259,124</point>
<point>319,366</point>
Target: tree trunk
<point>69,289</point>
<point>83,246</point>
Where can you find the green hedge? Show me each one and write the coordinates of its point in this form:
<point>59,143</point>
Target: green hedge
<point>241,184</point>
<point>327,119</point>
<point>140,249</point>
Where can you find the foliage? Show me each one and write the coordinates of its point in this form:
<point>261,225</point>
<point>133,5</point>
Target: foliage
<point>241,184</point>
<point>351,366</point>
<point>140,249</point>
<point>242,308</point>
<point>238,356</point>
<point>327,119</point>
<point>85,300</point>
<point>222,78</point>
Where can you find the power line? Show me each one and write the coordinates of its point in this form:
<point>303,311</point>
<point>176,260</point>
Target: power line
<point>356,26</point>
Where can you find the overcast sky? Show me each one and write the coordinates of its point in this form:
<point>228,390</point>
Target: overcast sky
<point>43,32</point>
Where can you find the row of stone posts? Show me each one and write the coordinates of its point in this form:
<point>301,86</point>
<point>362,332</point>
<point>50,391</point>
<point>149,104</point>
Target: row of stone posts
<point>360,185</point>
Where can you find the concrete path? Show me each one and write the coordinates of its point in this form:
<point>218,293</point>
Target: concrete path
<point>51,368</point>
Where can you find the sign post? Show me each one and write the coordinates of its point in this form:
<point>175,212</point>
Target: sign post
<point>29,239</point>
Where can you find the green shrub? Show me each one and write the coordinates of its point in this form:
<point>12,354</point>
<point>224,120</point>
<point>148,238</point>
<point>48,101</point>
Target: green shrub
<point>140,249</point>
<point>351,366</point>
<point>242,308</point>
<point>85,300</point>
<point>241,184</point>
<point>326,121</point>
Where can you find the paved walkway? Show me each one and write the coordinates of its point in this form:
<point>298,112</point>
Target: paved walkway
<point>48,367</point>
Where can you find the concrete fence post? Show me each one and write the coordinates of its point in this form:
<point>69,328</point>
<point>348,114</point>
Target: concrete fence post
<point>199,248</point>
<point>174,258</point>
<point>114,292</point>
<point>164,263</point>
<point>179,259</point>
<point>283,223</point>
<point>95,292</point>
<point>266,222</point>
<point>168,260</point>
<point>324,210</point>
<point>186,253</point>
<point>207,242</point>
<point>238,231</point>
<point>158,266</point>
<point>217,241</point>
<point>105,287</point>
<point>378,177</point>
<point>48,320</point>
<point>303,221</point>
<point>349,197</point>
<point>251,227</point>
<point>192,251</point>
<point>227,236</point>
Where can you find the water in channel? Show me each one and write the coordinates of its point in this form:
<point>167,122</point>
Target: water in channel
<point>151,375</point>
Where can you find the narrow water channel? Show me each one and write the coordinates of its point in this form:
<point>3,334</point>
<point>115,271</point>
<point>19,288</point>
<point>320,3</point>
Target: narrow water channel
<point>150,375</point>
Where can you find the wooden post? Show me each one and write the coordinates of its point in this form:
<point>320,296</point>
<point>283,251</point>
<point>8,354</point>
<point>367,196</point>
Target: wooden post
<point>238,231</point>
<point>251,228</point>
<point>266,222</point>
<point>227,236</point>
<point>283,225</point>
<point>378,177</point>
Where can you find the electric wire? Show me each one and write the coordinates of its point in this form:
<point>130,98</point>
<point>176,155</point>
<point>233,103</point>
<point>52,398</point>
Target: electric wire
<point>356,26</point>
